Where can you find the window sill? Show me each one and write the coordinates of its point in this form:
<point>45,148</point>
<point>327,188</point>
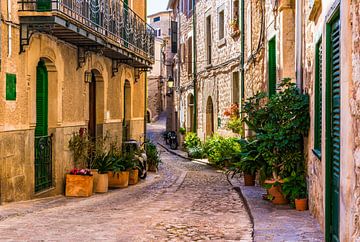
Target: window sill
<point>208,66</point>
<point>317,153</point>
<point>222,42</point>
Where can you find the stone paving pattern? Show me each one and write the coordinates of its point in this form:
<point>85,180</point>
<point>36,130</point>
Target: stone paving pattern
<point>184,201</point>
<point>271,222</point>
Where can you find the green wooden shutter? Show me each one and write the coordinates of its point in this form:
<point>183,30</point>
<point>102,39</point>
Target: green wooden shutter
<point>334,38</point>
<point>272,67</point>
<point>41,100</point>
<point>10,87</point>
<point>318,100</point>
<point>43,5</point>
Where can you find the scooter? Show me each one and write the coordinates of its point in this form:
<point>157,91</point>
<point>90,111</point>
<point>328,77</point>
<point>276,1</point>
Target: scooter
<point>172,139</point>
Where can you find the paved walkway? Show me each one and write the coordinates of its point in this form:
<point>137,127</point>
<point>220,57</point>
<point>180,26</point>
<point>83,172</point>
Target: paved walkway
<point>271,223</point>
<point>184,201</point>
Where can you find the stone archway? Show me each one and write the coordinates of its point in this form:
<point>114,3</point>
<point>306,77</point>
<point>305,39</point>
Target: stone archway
<point>190,119</point>
<point>209,117</point>
<point>96,104</point>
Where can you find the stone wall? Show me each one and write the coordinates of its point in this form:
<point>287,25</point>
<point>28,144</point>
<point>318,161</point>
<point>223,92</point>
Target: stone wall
<point>68,99</point>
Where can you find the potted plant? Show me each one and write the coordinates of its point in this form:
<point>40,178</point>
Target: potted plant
<point>153,157</point>
<point>295,189</point>
<point>79,183</point>
<point>133,168</point>
<point>119,175</point>
<point>182,132</point>
<point>250,160</point>
<point>103,164</point>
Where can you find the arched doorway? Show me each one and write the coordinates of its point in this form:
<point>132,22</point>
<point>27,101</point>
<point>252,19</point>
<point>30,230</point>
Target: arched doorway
<point>127,110</point>
<point>46,76</point>
<point>209,117</point>
<point>190,120</point>
<point>96,105</point>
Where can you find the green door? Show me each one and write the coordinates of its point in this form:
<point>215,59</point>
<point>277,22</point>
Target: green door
<point>333,120</point>
<point>43,5</point>
<point>272,67</point>
<point>43,143</point>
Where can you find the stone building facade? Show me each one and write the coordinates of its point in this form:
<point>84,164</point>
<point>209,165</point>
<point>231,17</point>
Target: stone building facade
<point>331,77</point>
<point>209,56</point>
<point>162,69</point>
<point>55,82</point>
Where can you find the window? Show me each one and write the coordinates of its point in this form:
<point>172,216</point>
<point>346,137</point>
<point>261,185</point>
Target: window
<point>156,19</point>
<point>221,25</point>
<point>174,36</point>
<point>272,66</point>
<point>235,20</point>
<point>190,6</point>
<point>189,59</point>
<point>318,99</point>
<point>235,87</point>
<point>158,32</point>
<point>208,39</point>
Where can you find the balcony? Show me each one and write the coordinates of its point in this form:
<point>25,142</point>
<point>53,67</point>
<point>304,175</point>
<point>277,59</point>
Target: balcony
<point>108,27</point>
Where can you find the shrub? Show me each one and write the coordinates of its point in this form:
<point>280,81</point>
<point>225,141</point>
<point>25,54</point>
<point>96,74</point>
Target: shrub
<point>219,149</point>
<point>280,124</point>
<point>191,140</point>
<point>196,152</point>
<point>153,156</point>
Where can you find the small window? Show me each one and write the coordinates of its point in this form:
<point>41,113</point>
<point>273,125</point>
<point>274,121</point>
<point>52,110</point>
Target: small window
<point>190,6</point>
<point>158,32</point>
<point>235,87</point>
<point>156,19</point>
<point>208,39</point>
<point>10,87</point>
<point>189,59</point>
<point>221,25</point>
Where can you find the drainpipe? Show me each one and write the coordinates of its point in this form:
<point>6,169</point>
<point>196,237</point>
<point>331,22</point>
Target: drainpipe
<point>299,45</point>
<point>194,66</point>
<point>242,57</point>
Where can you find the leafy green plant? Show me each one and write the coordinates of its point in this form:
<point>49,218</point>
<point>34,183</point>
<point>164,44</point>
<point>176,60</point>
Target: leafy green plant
<point>79,145</point>
<point>235,123</point>
<point>153,156</point>
<point>294,186</point>
<point>280,123</point>
<point>196,152</point>
<point>191,140</point>
<point>219,149</point>
<point>182,130</point>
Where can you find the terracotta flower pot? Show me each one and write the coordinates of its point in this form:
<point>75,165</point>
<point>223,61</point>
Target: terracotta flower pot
<point>102,184</point>
<point>95,175</point>
<point>118,179</point>
<point>79,186</point>
<point>249,180</point>
<point>133,177</point>
<point>275,192</point>
<point>301,204</point>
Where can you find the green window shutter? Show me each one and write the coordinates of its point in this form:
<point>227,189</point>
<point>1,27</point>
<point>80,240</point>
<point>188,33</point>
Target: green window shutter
<point>10,87</point>
<point>43,5</point>
<point>272,67</point>
<point>335,124</point>
<point>41,100</point>
<point>318,100</point>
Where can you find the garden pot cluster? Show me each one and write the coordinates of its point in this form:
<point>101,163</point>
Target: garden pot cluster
<point>112,166</point>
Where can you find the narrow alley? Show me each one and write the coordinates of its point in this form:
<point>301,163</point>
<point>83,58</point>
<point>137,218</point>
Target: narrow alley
<point>184,201</point>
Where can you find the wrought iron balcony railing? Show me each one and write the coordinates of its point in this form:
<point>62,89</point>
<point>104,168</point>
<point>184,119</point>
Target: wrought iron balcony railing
<point>110,19</point>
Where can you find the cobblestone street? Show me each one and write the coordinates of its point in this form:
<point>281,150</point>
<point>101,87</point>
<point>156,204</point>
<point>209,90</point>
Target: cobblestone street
<point>184,201</point>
